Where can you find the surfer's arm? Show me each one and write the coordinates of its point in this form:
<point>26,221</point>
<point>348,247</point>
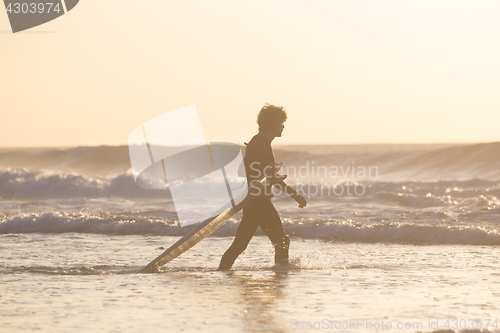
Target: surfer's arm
<point>281,185</point>
<point>278,181</point>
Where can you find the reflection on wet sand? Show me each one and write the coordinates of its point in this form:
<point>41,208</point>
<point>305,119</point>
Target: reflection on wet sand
<point>261,293</point>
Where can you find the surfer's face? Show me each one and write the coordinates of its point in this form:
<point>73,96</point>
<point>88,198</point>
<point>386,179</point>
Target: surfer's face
<point>278,130</point>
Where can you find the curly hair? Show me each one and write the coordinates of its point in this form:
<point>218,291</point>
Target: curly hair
<point>270,116</point>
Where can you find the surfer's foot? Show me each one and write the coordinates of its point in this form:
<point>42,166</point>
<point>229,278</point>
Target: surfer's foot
<point>227,261</point>
<point>283,262</point>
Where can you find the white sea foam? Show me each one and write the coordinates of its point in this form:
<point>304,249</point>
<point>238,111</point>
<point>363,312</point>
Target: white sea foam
<point>343,231</point>
<point>422,194</point>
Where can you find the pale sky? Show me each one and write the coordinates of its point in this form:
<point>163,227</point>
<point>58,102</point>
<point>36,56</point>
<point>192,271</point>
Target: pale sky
<point>346,71</point>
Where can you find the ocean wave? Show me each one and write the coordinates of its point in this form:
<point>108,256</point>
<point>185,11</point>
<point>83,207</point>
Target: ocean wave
<point>28,184</point>
<point>103,160</point>
<point>337,230</point>
<point>393,162</point>
<point>396,232</point>
<point>112,224</point>
<point>32,187</point>
<point>401,162</point>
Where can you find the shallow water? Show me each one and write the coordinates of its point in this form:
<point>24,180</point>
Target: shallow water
<point>80,282</point>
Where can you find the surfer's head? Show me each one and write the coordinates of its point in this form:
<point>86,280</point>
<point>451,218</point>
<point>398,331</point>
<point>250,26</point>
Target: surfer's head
<point>271,119</point>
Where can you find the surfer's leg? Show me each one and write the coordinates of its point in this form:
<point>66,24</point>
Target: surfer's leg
<point>246,230</point>
<point>270,223</point>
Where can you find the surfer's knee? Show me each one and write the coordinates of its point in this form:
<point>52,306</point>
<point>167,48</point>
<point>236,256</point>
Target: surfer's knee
<point>241,248</point>
<point>237,248</point>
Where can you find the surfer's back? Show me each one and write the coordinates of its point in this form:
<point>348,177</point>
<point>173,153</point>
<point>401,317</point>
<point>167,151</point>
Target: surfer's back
<point>259,154</point>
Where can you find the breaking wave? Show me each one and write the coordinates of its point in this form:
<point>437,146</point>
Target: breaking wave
<point>343,231</point>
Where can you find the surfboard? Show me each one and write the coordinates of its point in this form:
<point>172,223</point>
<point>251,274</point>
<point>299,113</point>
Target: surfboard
<point>200,232</point>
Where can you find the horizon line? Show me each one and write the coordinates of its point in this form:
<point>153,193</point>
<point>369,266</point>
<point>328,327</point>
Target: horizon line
<point>274,144</point>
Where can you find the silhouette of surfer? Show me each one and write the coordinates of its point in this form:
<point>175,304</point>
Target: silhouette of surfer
<point>259,162</point>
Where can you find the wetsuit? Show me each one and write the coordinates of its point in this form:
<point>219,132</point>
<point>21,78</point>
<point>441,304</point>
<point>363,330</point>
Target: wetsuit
<point>260,211</point>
